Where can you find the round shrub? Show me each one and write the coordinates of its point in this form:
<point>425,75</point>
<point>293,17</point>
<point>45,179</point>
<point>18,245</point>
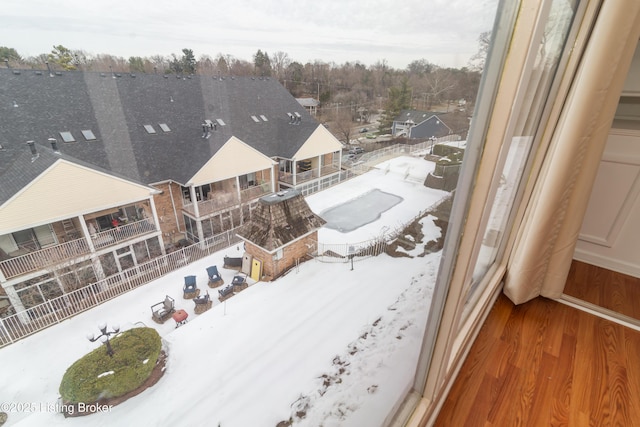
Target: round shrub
<point>97,376</point>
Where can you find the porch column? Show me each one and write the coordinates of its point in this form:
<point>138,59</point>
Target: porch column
<point>16,303</point>
<point>154,212</point>
<point>238,189</point>
<point>200,232</point>
<point>194,200</point>
<point>97,266</point>
<point>295,172</point>
<point>86,234</point>
<point>273,180</point>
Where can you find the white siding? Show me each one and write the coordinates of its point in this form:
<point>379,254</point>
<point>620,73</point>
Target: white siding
<point>66,190</point>
<point>320,142</point>
<point>235,158</point>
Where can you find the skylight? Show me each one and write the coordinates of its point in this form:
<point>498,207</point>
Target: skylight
<point>67,137</point>
<point>149,129</point>
<point>220,122</point>
<point>88,135</point>
<point>263,118</point>
<point>255,119</point>
<point>164,127</point>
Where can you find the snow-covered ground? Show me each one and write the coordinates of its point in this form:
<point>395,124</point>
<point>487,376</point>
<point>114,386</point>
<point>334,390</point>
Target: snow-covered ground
<point>323,345</point>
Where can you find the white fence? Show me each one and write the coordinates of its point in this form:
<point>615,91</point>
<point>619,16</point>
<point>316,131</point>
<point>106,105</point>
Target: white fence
<point>34,319</point>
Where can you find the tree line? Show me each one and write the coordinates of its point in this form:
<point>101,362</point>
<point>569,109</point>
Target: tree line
<point>349,92</point>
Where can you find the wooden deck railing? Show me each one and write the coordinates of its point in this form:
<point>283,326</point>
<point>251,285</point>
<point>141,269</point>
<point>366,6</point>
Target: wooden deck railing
<point>122,233</point>
<point>43,258</point>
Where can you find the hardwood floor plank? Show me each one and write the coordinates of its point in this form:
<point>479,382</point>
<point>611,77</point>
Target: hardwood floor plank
<point>548,365</point>
<point>605,288</point>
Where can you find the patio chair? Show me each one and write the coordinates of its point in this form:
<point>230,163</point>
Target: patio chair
<point>232,262</point>
<point>215,279</point>
<point>239,283</point>
<point>225,293</point>
<point>202,303</point>
<point>163,310</point>
<point>190,290</point>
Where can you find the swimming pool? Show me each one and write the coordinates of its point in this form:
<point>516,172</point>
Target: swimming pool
<point>360,211</point>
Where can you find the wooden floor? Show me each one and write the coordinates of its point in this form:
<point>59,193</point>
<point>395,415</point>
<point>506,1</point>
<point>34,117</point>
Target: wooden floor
<point>604,288</point>
<point>546,364</point>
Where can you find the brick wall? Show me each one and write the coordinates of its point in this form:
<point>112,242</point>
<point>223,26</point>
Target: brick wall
<point>165,209</point>
<point>272,268</point>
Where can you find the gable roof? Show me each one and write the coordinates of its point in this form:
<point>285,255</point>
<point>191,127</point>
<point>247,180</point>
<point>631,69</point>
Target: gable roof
<point>226,163</point>
<point>280,219</point>
<point>116,110</point>
<point>48,185</point>
<point>320,142</point>
<point>425,124</point>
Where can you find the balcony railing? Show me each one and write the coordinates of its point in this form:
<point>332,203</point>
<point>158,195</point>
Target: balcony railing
<point>309,175</point>
<point>122,233</point>
<point>43,258</point>
<point>216,202</point>
<point>219,201</point>
<point>253,193</point>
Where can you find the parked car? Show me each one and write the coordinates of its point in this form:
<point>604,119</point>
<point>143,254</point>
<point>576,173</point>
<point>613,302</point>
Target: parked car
<point>356,150</point>
<point>364,130</point>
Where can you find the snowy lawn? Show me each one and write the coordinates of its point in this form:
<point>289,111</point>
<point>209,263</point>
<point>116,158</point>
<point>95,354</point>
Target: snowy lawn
<point>323,345</point>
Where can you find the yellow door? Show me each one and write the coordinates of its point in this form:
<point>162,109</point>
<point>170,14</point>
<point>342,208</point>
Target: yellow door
<point>256,269</point>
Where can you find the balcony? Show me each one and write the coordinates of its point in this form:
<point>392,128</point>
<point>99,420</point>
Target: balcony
<point>309,175</point>
<point>219,201</point>
<point>121,233</point>
<point>22,263</point>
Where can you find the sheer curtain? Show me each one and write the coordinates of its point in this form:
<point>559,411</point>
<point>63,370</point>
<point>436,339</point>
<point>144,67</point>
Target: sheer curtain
<point>542,254</point>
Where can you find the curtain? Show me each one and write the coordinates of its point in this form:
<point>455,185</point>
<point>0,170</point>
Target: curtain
<point>542,254</point>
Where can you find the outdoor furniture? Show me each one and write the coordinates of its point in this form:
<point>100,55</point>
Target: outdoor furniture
<point>190,289</point>
<point>225,293</point>
<point>161,311</point>
<point>239,283</point>
<point>202,303</point>
<point>230,262</point>
<point>180,316</point>
<point>215,279</point>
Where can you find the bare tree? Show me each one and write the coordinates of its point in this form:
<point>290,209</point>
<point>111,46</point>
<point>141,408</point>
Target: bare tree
<point>279,63</point>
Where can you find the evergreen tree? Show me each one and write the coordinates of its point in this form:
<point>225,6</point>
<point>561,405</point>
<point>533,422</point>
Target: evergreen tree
<point>63,57</point>
<point>399,99</point>
<point>262,63</point>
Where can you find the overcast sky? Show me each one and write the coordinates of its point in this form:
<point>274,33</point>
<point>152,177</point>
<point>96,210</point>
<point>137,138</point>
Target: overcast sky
<point>443,32</point>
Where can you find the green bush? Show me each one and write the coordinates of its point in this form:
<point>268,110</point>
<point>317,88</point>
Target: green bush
<point>135,354</point>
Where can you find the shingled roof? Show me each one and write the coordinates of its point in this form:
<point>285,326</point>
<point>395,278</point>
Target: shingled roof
<point>280,219</point>
<point>116,108</point>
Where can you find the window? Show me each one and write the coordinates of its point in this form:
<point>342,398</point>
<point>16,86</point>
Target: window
<point>88,135</point>
<point>67,136</point>
<point>264,118</point>
<point>520,85</point>
<point>150,130</point>
<point>165,128</point>
<point>255,119</point>
<point>220,122</point>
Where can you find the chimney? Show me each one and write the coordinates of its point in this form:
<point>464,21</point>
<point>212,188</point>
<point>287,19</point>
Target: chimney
<point>54,145</point>
<point>49,68</point>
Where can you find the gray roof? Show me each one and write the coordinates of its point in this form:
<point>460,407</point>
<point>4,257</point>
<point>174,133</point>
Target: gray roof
<point>37,106</point>
<point>426,124</point>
